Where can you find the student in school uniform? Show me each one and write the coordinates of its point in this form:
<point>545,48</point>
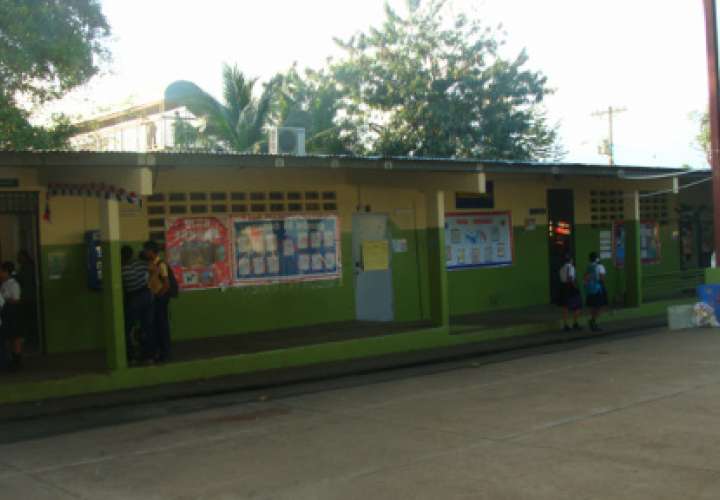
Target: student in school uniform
<point>570,297</point>
<point>10,331</point>
<point>138,301</point>
<point>159,282</point>
<point>595,290</point>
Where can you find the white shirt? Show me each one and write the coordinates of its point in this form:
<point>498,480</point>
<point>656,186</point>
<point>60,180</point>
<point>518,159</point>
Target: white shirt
<point>567,273</point>
<point>10,290</point>
<point>601,269</point>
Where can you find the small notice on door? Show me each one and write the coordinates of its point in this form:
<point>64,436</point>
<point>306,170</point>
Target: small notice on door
<point>375,255</point>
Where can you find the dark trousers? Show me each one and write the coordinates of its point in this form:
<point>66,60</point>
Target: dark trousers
<point>162,328</point>
<point>139,309</point>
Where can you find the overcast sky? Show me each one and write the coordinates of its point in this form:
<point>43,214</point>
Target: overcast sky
<point>645,55</point>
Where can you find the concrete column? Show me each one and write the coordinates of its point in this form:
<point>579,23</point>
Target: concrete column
<point>437,269</point>
<point>633,261</point>
<point>113,314</point>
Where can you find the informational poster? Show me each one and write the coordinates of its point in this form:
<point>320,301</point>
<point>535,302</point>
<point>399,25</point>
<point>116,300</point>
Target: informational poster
<point>649,242</point>
<point>57,262</point>
<point>478,239</point>
<point>375,255</point>
<point>198,250</point>
<point>291,248</point>
<point>606,246</point>
<point>400,245</point>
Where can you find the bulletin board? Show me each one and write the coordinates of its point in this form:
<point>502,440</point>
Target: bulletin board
<point>478,239</point>
<point>650,248</point>
<point>285,248</point>
<point>197,249</point>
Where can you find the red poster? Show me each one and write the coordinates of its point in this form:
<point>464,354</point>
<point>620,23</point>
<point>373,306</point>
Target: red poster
<point>198,249</point>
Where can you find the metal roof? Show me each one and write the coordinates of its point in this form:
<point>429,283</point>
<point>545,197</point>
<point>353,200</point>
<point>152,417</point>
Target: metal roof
<point>59,159</point>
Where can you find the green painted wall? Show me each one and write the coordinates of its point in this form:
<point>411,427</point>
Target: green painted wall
<point>212,313</point>
<point>525,283</point>
<point>410,277</point>
<point>72,313</point>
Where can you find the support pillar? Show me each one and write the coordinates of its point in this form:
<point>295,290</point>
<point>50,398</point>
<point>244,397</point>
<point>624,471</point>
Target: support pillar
<point>633,260</point>
<point>437,266</point>
<point>113,314</point>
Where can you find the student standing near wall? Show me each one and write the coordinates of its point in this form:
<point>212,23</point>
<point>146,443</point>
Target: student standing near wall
<point>138,301</point>
<point>570,297</point>
<point>159,282</point>
<point>10,331</point>
<point>595,290</point>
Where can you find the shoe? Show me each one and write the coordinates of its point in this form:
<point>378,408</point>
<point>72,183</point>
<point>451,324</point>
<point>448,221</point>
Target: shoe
<point>577,327</point>
<point>566,328</point>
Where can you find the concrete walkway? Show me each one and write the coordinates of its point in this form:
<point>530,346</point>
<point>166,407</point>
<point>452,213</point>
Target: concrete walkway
<point>635,417</point>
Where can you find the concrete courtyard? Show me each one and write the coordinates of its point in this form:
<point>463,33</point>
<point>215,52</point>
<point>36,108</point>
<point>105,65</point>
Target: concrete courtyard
<point>625,417</point>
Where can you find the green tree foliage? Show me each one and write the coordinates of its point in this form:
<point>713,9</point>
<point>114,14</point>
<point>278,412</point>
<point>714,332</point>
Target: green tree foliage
<point>238,123</point>
<point>47,48</point>
<point>423,85</point>
<point>703,137</point>
<point>311,101</point>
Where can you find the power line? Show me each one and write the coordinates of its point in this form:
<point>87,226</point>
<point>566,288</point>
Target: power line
<point>608,147</point>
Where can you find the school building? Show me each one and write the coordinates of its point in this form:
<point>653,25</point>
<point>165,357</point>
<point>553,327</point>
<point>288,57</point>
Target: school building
<point>326,259</point>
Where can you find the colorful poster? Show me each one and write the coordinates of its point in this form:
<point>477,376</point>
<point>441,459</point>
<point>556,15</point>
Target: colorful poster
<point>478,239</point>
<point>649,242</point>
<point>197,249</point>
<point>284,249</point>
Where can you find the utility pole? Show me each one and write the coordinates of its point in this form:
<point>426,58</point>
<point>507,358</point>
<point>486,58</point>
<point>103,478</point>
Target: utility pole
<point>713,81</point>
<point>608,147</point>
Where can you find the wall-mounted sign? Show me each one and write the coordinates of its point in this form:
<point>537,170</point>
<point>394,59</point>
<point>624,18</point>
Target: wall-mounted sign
<point>480,239</point>
<point>400,245</point>
<point>289,248</point>
<point>606,249</point>
<point>9,183</point>
<point>649,242</point>
<point>197,250</point>
<point>375,255</point>
<point>56,264</point>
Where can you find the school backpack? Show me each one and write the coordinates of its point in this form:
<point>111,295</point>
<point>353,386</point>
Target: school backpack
<point>174,289</point>
<point>592,280</point>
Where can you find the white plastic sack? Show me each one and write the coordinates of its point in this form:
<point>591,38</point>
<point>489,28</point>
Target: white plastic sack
<point>704,315</point>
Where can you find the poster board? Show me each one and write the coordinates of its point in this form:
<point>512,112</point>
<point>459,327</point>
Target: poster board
<point>198,250</point>
<point>478,239</point>
<point>285,248</point>
<point>650,248</point>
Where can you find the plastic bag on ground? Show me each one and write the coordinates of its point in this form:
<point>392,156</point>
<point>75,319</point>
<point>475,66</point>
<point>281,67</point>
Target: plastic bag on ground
<point>704,315</point>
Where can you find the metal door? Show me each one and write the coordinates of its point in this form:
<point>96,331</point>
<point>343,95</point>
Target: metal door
<point>373,289</point>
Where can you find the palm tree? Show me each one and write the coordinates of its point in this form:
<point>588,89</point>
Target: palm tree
<point>238,123</point>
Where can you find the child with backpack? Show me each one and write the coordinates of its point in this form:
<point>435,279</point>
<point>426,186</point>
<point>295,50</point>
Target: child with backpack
<point>164,286</point>
<point>595,294</point>
<point>570,297</point>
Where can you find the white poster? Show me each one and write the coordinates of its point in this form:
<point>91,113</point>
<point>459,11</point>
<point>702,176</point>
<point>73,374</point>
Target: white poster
<point>478,239</point>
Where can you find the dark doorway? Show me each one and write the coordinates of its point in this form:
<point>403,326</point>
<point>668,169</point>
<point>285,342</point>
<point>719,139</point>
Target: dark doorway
<point>561,232</point>
<point>19,235</point>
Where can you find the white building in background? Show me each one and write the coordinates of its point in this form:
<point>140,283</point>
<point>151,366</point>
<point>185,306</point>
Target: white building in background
<point>149,127</point>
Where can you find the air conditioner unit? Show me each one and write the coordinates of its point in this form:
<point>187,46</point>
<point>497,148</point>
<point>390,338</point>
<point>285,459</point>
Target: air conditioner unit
<point>287,141</point>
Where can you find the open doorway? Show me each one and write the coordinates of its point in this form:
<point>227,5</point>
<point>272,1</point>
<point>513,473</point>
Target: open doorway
<point>19,244</point>
<point>561,231</point>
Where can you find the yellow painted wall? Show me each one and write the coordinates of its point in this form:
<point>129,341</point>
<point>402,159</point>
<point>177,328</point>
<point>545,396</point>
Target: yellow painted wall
<point>28,177</point>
